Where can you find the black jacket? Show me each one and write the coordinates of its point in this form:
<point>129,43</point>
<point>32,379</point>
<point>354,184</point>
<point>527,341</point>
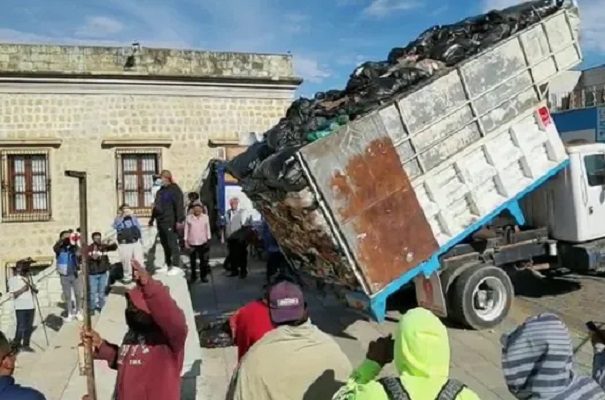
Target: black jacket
<point>169,206</point>
<point>99,265</point>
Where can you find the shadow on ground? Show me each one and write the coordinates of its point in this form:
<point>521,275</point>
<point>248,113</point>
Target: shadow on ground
<point>527,284</point>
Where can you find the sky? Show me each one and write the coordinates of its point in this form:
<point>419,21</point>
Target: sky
<point>328,38</point>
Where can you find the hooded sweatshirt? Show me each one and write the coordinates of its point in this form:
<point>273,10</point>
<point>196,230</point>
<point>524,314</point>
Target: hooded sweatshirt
<point>423,373</point>
<point>149,366</point>
<point>537,359</point>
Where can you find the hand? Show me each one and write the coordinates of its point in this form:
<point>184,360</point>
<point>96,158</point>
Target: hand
<point>141,276</point>
<point>91,336</point>
<point>187,246</point>
<point>150,222</point>
<point>381,350</point>
<point>596,337</point>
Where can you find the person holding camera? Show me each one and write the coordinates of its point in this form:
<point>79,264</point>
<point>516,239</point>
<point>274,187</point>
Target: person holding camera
<point>22,291</point>
<point>130,246</point>
<point>66,251</point>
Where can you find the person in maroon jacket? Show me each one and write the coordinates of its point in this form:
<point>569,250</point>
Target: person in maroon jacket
<point>150,359</point>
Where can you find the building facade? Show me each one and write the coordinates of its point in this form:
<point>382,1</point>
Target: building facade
<point>121,115</point>
<point>578,101</point>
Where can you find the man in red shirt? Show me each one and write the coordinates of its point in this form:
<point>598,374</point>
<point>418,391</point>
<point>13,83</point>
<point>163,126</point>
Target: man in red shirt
<point>251,322</point>
<point>150,359</point>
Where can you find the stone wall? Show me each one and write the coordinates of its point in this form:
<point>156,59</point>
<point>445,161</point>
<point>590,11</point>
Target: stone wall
<point>186,64</point>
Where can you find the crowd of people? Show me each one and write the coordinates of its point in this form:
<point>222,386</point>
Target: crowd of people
<point>281,353</point>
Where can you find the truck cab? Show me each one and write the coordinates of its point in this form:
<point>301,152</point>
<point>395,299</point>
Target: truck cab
<point>572,205</point>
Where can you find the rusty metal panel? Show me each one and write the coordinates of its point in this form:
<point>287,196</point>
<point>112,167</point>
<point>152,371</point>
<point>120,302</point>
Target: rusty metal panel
<point>359,174</point>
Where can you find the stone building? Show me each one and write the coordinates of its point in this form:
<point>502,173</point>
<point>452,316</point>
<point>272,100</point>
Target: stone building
<point>120,114</point>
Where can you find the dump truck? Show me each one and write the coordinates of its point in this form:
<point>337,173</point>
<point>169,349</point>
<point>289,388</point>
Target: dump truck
<point>405,193</point>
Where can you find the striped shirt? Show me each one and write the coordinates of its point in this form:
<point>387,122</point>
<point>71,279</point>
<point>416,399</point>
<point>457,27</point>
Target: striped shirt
<point>537,359</point>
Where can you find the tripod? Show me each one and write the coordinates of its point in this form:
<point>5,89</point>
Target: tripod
<point>31,285</point>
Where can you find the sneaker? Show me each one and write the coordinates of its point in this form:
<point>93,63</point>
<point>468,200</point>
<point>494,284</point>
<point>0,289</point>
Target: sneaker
<point>204,280</point>
<point>27,349</point>
<point>79,316</point>
<point>174,271</point>
<point>69,318</point>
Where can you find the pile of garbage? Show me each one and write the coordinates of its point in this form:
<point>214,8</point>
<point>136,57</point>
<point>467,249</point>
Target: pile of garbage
<point>268,167</point>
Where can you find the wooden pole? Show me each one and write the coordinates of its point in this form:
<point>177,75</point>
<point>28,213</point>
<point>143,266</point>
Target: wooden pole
<point>88,354</point>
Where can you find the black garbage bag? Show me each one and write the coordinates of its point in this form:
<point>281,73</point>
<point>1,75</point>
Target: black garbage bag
<point>216,334</point>
<point>281,171</point>
<point>366,72</point>
<point>245,163</point>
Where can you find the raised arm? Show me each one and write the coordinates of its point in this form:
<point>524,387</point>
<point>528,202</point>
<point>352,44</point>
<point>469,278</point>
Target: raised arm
<point>164,310</point>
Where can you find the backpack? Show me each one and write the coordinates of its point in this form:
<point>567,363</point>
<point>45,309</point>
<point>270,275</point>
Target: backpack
<point>395,390</point>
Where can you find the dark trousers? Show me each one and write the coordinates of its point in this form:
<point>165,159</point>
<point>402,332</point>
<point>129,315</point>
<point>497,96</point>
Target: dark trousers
<point>201,253</point>
<point>170,243</point>
<point>238,256</point>
<point>275,263</point>
<point>25,327</point>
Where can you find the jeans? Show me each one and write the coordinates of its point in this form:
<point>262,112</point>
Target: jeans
<point>238,256</point>
<point>97,283</point>
<point>201,253</point>
<point>71,283</point>
<point>25,327</point>
<point>129,252</point>
<point>170,243</point>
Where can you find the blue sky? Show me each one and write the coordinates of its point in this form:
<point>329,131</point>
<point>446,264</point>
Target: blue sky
<point>328,38</point>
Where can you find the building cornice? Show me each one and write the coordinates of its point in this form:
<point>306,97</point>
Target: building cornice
<point>136,142</point>
<point>211,88</point>
<point>33,142</point>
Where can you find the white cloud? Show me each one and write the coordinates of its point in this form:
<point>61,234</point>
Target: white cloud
<point>17,36</point>
<point>310,69</point>
<point>382,8</point>
<point>99,27</point>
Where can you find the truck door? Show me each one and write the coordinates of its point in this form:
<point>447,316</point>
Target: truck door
<point>594,166</point>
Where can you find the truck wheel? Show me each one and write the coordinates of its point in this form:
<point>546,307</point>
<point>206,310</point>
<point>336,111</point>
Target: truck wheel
<point>481,297</point>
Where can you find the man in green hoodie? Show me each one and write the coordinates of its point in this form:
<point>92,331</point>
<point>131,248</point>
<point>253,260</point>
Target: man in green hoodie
<point>421,352</point>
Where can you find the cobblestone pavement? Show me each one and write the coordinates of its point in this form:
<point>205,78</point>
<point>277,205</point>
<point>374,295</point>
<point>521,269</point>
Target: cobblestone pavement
<point>475,355</point>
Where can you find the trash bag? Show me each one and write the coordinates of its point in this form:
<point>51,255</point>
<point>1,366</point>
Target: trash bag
<point>279,171</point>
<point>216,334</point>
<point>245,163</point>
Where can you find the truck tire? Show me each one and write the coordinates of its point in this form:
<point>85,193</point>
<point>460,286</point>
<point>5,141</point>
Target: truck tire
<point>481,297</point>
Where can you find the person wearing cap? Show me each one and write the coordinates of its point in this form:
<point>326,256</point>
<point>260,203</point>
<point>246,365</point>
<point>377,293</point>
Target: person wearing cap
<point>169,214</point>
<point>197,241</point>
<point>295,360</point>
<point>129,235</point>
<point>150,359</point>
<point>10,390</point>
<point>421,352</point>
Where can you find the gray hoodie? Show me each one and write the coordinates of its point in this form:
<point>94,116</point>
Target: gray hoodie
<point>537,359</point>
